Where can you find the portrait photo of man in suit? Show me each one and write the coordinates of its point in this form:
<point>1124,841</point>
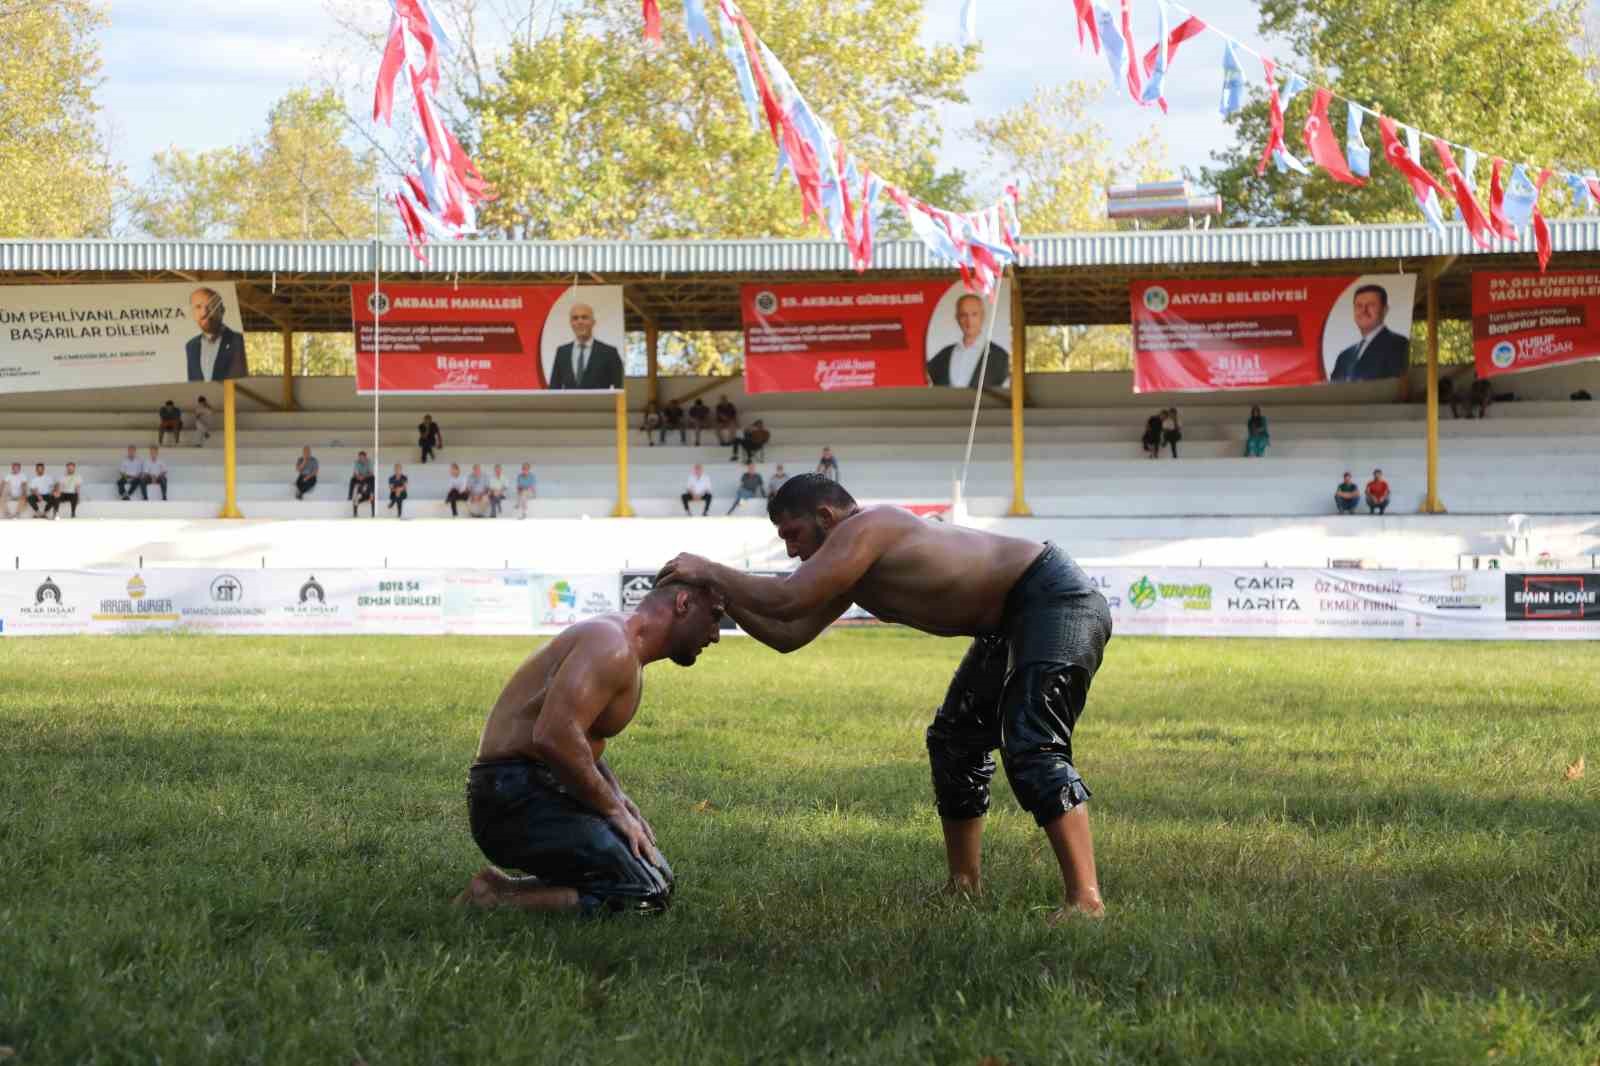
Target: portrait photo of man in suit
<point>217,352</point>
<point>1381,352</point>
<point>957,364</point>
<point>585,362</point>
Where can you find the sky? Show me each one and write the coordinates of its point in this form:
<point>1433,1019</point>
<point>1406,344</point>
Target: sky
<point>171,80</point>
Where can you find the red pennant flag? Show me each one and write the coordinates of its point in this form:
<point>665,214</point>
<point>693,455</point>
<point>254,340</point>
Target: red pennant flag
<point>1275,113</point>
<point>394,54</point>
<point>1477,225</point>
<point>1541,229</point>
<point>1323,144</point>
<point>1135,82</point>
<point>1594,187</point>
<point>1189,27</point>
<point>1085,12</point>
<point>652,21</point>
<point>769,101</point>
<point>1395,152</point>
<point>1497,204</point>
<point>416,236</point>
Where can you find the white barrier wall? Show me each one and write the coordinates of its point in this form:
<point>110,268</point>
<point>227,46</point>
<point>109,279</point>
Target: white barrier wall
<point>1158,601</point>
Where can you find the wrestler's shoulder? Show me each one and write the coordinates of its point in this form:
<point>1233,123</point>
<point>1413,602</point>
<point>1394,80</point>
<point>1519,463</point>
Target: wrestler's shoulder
<point>601,638</point>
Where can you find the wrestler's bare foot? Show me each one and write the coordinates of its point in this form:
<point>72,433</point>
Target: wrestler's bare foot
<point>483,890</point>
<point>968,887</point>
<point>1089,909</point>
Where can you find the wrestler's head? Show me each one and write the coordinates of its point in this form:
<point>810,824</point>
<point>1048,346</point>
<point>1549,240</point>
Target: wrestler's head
<point>805,509</point>
<point>693,615</point>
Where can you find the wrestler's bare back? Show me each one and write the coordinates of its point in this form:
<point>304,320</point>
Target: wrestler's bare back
<point>590,646</point>
<point>938,578</point>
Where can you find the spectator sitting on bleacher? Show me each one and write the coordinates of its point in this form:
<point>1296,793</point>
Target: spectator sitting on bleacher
<point>203,417</point>
<point>1152,434</point>
<point>699,418</point>
<point>750,487</point>
<point>497,491</point>
<point>650,422</point>
<point>727,421</point>
<point>672,418</point>
<point>363,486</point>
<point>1377,493</point>
<point>305,472</point>
<point>12,491</point>
<point>755,438</point>
<point>70,489</point>
<point>1347,495</point>
<point>130,474</point>
<point>1480,396</point>
<point>457,489</point>
<point>1256,436</point>
<point>775,482</point>
<point>477,493</point>
<point>397,490</point>
<point>698,487</point>
<point>41,493</point>
<point>155,473</point>
<point>429,437</point>
<point>527,489</point>
<point>828,466</point>
<point>171,416</point>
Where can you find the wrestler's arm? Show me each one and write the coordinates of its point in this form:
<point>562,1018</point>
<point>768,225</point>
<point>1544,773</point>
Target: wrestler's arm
<point>788,636</point>
<point>586,683</point>
<point>826,577</point>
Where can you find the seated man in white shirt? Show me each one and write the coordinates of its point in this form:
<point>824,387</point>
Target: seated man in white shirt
<point>477,493</point>
<point>698,487</point>
<point>130,475</point>
<point>41,493</point>
<point>12,490</point>
<point>457,489</point>
<point>527,489</point>
<point>155,473</point>
<point>69,489</point>
<point>204,416</point>
<point>497,491</point>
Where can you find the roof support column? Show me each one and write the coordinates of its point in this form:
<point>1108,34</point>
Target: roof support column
<point>1432,504</point>
<point>230,453</point>
<point>1019,362</point>
<point>622,509</point>
<point>652,340</point>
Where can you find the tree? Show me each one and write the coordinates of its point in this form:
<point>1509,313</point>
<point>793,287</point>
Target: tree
<point>1500,75</point>
<point>587,133</point>
<point>1067,160</point>
<point>298,180</point>
<point>59,178</point>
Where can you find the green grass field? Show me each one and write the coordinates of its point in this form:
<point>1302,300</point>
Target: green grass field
<point>240,850</point>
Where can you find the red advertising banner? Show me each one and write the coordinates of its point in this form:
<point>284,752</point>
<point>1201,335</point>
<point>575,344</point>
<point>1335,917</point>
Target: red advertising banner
<point>847,335</point>
<point>1523,321</point>
<point>481,338</point>
<point>1257,333</point>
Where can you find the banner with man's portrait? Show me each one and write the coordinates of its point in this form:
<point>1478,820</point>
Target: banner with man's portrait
<point>106,336</point>
<point>873,335</point>
<point>1258,333</point>
<point>428,339</point>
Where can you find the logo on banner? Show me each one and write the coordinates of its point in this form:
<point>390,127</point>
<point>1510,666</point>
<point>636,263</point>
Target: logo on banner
<point>1156,299</point>
<point>1552,597</point>
<point>49,590</point>
<point>136,587</point>
<point>48,602</point>
<point>1145,594</point>
<point>562,594</point>
<point>227,592</point>
<point>226,589</point>
<point>1503,354</point>
<point>766,302</point>
<point>635,587</point>
<point>311,601</point>
<point>138,607</point>
<point>312,591</point>
<point>378,304</point>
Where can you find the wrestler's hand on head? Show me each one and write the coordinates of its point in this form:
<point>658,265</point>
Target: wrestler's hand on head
<point>686,568</point>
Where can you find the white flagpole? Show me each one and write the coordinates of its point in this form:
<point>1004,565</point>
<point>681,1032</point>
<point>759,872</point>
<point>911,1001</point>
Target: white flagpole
<point>377,364</point>
<point>983,365</point>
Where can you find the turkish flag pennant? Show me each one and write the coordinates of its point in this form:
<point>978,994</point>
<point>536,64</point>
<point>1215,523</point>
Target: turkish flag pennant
<point>652,21</point>
<point>1594,187</point>
<point>1477,225</point>
<point>417,21</point>
<point>1497,204</point>
<point>415,236</point>
<point>769,101</point>
<point>1189,27</point>
<point>1275,113</point>
<point>1085,13</point>
<point>1395,152</point>
<point>1323,145</point>
<point>394,55</point>
<point>1135,82</point>
<point>1541,229</point>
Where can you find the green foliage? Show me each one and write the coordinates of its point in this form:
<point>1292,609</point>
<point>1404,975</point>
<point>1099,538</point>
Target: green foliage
<point>587,134</point>
<point>298,180</point>
<point>1500,75</point>
<point>59,179</point>
<point>1365,854</point>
